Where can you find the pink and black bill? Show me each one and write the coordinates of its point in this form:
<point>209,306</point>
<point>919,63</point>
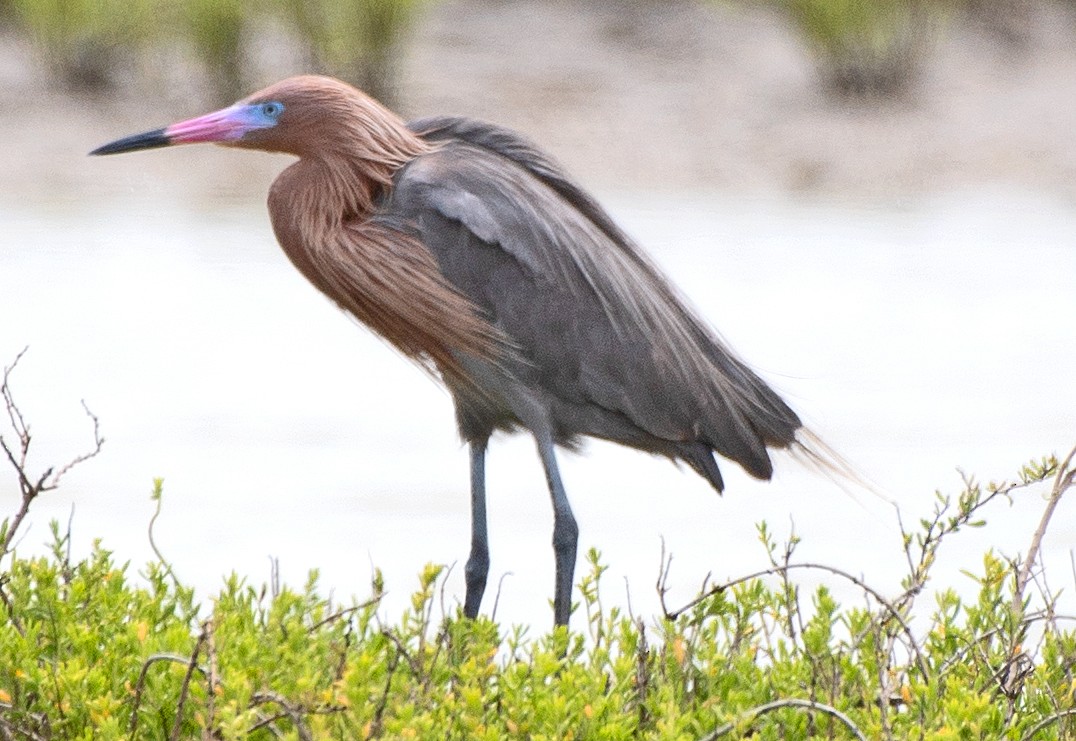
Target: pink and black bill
<point>226,125</point>
<point>148,140</point>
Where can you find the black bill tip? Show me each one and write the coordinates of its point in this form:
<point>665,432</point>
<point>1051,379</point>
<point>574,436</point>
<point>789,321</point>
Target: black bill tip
<point>149,140</point>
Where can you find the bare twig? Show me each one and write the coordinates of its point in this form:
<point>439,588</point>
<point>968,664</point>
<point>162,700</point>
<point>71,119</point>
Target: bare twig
<point>497,596</point>
<point>913,644</point>
<point>347,611</point>
<point>1063,479</point>
<point>13,413</point>
<point>1046,722</point>
<point>177,725</point>
<point>401,650</point>
<point>642,675</point>
<point>18,455</point>
<point>98,442</point>
<point>295,714</point>
<point>808,705</point>
<point>8,731</point>
<point>444,586</point>
<point>662,585</point>
<point>213,680</point>
<point>379,711</point>
<point>158,497</point>
<point>268,722</point>
<point>140,684</point>
<point>10,608</point>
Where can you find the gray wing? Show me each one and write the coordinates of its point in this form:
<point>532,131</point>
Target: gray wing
<point>597,325</point>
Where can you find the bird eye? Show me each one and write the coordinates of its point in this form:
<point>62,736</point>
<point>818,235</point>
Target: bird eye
<point>272,110</point>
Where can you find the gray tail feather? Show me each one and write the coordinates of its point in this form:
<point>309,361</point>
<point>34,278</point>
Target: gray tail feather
<point>813,452</point>
<point>701,458</point>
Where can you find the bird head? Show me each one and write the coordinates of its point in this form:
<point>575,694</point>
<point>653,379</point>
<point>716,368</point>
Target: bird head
<point>305,115</point>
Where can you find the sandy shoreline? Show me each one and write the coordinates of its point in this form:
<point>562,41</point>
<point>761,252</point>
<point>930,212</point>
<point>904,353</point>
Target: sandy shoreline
<point>698,97</point>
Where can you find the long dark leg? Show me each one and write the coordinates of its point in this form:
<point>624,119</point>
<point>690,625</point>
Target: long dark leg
<point>477,567</point>
<point>565,532</point>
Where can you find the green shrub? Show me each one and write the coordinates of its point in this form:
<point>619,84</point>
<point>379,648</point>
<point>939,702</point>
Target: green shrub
<point>868,47</point>
<point>84,42</point>
<point>91,651</point>
<point>216,29</point>
<point>353,40</point>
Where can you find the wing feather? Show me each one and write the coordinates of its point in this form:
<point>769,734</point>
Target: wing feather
<point>512,197</point>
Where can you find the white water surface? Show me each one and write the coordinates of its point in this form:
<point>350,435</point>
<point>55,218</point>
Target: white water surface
<point>916,338</point>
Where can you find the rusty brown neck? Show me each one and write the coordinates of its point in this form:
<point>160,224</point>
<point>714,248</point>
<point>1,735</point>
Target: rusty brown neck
<point>321,207</point>
<point>336,186</point>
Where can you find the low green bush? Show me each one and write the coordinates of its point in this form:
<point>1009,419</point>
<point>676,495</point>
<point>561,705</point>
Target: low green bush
<point>90,650</point>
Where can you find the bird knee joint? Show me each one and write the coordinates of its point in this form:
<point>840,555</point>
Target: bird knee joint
<point>476,569</point>
<point>565,534</point>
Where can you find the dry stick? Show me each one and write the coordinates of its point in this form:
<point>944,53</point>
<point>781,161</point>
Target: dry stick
<point>29,489</point>
<point>913,644</point>
<point>416,668</point>
<point>809,705</point>
<point>642,675</point>
<point>267,722</point>
<point>213,679</point>
<point>140,684</point>
<point>10,607</point>
<point>178,724</point>
<point>1062,481</point>
<point>47,481</point>
<point>13,413</point>
<point>1031,734</point>
<point>379,711</point>
<point>987,635</point>
<point>7,729</point>
<point>292,712</point>
<point>346,611</point>
<point>159,497</point>
<point>98,442</point>
<point>444,585</point>
<point>497,596</point>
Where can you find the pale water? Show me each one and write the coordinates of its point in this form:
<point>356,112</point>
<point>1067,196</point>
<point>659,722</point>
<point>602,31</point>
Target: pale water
<point>916,338</point>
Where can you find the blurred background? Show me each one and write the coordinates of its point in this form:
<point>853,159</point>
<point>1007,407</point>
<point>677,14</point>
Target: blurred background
<point>873,200</point>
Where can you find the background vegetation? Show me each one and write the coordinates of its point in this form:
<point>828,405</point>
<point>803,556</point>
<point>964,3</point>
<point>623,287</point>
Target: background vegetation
<point>88,45</point>
<point>862,47</point>
<point>89,649</point>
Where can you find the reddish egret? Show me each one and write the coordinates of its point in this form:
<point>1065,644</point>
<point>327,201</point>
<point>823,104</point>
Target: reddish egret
<point>474,254</point>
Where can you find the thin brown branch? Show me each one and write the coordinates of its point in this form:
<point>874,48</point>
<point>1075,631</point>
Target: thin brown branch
<point>662,584</point>
<point>141,683</point>
<point>376,725</point>
<point>1063,479</point>
<point>15,622</point>
<point>497,594</point>
<point>913,644</point>
<point>268,722</point>
<point>808,705</point>
<point>213,679</point>
<point>17,456</point>
<point>295,714</point>
<point>347,611</point>
<point>158,498</point>
<point>177,725</point>
<point>98,442</point>
<point>8,731</point>
<point>1046,722</point>
<point>416,668</point>
<point>17,422</point>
